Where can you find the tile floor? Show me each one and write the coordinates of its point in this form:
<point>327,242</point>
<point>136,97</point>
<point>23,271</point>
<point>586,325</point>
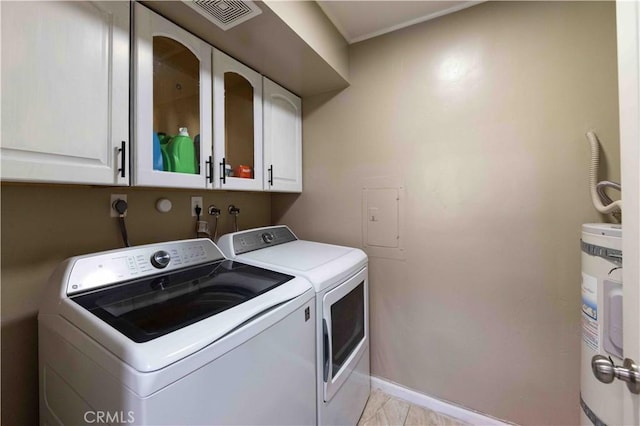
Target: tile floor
<point>385,410</point>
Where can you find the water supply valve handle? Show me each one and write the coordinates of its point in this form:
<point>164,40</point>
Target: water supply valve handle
<point>605,371</point>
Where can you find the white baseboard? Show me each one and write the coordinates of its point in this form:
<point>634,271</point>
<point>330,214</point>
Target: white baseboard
<point>434,404</point>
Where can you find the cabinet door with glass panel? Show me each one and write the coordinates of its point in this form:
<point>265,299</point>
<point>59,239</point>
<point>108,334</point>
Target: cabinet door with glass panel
<point>172,104</point>
<point>237,118</point>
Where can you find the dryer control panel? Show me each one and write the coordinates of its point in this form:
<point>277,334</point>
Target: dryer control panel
<point>259,238</point>
<point>111,267</point>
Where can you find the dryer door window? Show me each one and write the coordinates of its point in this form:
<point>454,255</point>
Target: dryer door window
<point>347,326</point>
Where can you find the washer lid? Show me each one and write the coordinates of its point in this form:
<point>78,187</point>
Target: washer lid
<point>149,308</point>
<point>606,229</point>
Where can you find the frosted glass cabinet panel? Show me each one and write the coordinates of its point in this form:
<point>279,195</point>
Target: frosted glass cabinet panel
<point>65,92</point>
<point>172,104</point>
<point>239,145</point>
<point>237,118</point>
<point>176,105</point>
<point>282,139</point>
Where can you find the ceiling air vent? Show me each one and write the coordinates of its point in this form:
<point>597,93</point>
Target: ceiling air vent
<point>225,13</point>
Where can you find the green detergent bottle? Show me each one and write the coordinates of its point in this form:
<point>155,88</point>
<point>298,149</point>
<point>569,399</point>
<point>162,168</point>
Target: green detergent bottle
<point>181,152</point>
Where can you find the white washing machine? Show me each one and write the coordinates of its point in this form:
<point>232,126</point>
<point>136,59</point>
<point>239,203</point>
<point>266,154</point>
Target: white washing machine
<point>601,403</point>
<point>339,275</point>
<point>174,333</point>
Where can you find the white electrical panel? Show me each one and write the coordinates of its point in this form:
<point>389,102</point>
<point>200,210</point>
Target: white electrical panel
<point>382,200</point>
<point>382,217</point>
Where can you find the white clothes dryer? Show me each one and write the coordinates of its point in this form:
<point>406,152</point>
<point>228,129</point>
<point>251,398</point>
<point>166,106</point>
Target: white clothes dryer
<point>340,277</point>
<point>174,333</point>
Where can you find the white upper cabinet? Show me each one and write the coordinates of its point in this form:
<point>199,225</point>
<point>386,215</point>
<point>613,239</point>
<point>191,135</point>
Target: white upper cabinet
<point>172,104</point>
<point>282,139</point>
<point>65,92</point>
<point>237,121</point>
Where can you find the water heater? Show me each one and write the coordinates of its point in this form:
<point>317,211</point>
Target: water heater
<point>601,320</point>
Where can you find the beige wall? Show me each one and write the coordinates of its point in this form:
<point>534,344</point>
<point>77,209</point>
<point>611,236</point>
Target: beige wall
<point>482,114</point>
<point>42,225</point>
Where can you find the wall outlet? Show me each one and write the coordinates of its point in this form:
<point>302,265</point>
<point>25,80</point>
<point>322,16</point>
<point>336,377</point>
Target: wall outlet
<point>196,201</point>
<point>114,198</point>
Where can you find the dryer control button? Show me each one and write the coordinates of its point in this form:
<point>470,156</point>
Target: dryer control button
<point>160,259</point>
<point>267,237</point>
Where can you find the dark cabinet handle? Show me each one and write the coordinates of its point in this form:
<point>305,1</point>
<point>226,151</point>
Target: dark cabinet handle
<point>271,175</point>
<point>223,166</point>
<point>123,152</point>
<point>210,169</point>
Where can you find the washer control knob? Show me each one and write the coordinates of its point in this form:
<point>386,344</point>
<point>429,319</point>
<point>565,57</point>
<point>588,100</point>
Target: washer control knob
<point>160,259</point>
<point>267,237</point>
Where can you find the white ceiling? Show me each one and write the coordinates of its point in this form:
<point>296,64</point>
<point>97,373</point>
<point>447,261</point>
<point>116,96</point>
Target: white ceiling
<point>359,20</point>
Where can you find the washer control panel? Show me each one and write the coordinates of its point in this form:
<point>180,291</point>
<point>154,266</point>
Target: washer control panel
<point>106,268</point>
<point>255,239</point>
